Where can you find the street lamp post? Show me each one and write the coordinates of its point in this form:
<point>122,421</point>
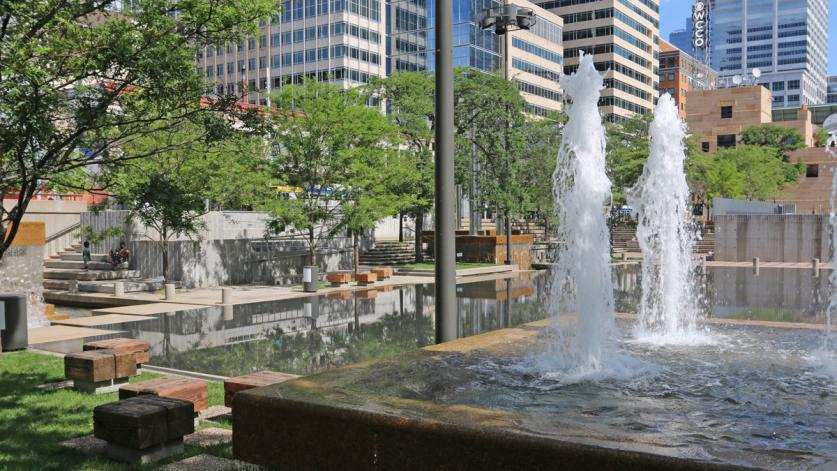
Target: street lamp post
<point>445,244</point>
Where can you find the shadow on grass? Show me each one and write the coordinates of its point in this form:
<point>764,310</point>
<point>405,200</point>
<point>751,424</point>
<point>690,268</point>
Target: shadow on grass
<point>33,422</point>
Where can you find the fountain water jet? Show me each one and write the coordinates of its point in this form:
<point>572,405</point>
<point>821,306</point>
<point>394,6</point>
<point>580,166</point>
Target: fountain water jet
<point>669,308</point>
<point>583,278</point>
<point>827,355</point>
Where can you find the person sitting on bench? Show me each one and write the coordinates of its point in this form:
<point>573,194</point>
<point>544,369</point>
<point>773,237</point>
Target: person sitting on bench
<point>119,256</point>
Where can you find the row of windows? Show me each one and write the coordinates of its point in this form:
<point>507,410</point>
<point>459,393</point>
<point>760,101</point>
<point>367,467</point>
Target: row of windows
<point>620,85</point>
<point>301,35</point>
<point>793,44</point>
<point>787,34</point>
<point>537,50</point>
<point>293,10</point>
<point>795,52</point>
<point>624,104</point>
<point>547,30</point>
<point>762,47</point>
<point>324,75</point>
<point>533,69</point>
<point>760,37</point>
<point>641,12</point>
<point>568,3</point>
<point>606,13</point>
<point>792,60</point>
<point>296,58</point>
<point>533,89</point>
<point>538,110</point>
<point>616,67</point>
<point>606,31</point>
<point>607,48</point>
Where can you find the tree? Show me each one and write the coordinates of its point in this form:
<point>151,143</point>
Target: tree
<point>490,122</point>
<point>410,97</point>
<point>763,174</point>
<point>542,141</point>
<point>627,152</point>
<point>80,80</point>
<point>335,155</point>
<point>172,190</point>
<point>774,136</point>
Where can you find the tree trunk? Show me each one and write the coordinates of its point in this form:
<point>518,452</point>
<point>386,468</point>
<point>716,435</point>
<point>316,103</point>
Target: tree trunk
<point>508,238</point>
<point>16,217</point>
<point>311,255</point>
<point>164,248</point>
<point>356,249</point>
<point>400,227</point>
<point>419,237</point>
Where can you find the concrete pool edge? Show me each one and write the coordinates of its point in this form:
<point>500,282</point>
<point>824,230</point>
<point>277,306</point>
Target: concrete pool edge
<point>314,423</point>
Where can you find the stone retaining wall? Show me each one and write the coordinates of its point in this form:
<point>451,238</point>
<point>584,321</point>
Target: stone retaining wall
<point>772,238</point>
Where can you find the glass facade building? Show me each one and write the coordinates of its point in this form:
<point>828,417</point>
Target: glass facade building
<point>786,39</point>
<point>832,90</point>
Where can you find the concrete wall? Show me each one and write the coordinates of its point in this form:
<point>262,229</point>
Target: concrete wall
<point>231,249</point>
<point>788,238</point>
<point>58,216</point>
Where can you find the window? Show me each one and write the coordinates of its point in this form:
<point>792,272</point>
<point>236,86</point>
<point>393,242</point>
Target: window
<point>263,41</point>
<point>671,76</point>
<point>251,43</point>
<point>793,84</point>
<point>726,112</point>
<point>704,146</point>
<point>812,171</point>
<point>726,140</point>
<point>251,63</point>
<point>778,86</point>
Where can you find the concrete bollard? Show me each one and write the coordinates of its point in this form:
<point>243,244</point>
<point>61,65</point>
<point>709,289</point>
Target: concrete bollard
<point>228,312</point>
<point>118,288</point>
<point>170,290</point>
<point>756,265</point>
<point>815,267</point>
<point>226,296</point>
<point>72,286</point>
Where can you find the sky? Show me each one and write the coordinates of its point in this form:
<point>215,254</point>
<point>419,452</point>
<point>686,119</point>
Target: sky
<point>673,14</point>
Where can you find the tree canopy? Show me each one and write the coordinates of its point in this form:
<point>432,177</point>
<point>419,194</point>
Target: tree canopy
<point>79,80</point>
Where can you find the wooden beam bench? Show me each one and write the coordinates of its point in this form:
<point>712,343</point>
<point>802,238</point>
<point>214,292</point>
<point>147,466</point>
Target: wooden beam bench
<point>253,380</point>
<point>99,371</point>
<point>144,428</point>
<point>383,273</point>
<point>366,278</point>
<point>339,278</point>
<point>139,348</point>
<point>187,389</point>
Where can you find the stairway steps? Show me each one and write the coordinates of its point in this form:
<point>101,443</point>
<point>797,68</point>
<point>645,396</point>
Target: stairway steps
<point>92,275</point>
<point>77,265</point>
<point>76,257</point>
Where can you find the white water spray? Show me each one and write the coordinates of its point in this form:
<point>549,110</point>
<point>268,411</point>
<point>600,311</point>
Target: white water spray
<point>668,309</point>
<point>827,356</point>
<point>582,279</point>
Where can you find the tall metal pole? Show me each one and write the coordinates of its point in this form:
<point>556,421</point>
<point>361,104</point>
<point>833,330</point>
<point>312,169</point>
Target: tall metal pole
<point>506,67</point>
<point>446,315</point>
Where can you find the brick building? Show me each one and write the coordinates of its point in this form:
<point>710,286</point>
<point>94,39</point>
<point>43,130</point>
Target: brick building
<point>681,73</point>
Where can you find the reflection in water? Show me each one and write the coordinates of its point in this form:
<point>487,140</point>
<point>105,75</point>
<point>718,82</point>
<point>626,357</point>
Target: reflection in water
<point>312,334</point>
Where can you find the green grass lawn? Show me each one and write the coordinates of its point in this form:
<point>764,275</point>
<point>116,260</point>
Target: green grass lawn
<point>431,266</point>
<point>33,422</point>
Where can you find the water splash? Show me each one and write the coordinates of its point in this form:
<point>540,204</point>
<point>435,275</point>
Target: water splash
<point>827,357</point>
<point>669,306</point>
<point>582,280</point>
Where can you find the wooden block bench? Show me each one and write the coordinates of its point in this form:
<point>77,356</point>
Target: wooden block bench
<point>142,429</point>
<point>382,272</point>
<point>339,278</point>
<point>139,348</point>
<point>187,389</point>
<point>366,278</point>
<point>99,371</point>
<point>250,381</point>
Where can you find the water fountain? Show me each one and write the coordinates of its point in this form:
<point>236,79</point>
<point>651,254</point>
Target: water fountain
<point>827,356</point>
<point>582,279</point>
<point>668,311</point>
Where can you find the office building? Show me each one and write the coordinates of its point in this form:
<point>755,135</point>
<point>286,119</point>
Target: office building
<point>831,96</point>
<point>681,73</point>
<point>683,39</point>
<point>786,39</point>
<point>339,41</point>
<point>623,36</point>
<point>534,58</point>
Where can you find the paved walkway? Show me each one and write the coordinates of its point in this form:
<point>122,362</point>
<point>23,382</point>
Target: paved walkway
<point>823,266</point>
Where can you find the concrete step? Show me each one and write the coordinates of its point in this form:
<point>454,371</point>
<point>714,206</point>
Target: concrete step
<point>76,257</point>
<point>92,275</point>
<point>76,265</point>
<point>385,257</point>
<point>58,285</point>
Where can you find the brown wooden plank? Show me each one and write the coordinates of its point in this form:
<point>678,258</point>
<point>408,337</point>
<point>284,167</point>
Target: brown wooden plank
<point>134,424</point>
<point>140,348</point>
<point>187,389</point>
<point>125,364</point>
<point>93,366</point>
<point>250,381</point>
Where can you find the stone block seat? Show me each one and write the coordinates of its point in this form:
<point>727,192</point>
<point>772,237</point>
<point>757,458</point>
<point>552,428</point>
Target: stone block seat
<point>144,428</point>
<point>366,278</point>
<point>250,381</point>
<point>187,389</point>
<point>383,272</point>
<point>339,278</point>
<point>99,371</point>
<point>139,348</point>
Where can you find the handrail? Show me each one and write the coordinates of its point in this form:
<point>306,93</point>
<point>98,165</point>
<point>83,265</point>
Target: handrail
<point>62,232</point>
